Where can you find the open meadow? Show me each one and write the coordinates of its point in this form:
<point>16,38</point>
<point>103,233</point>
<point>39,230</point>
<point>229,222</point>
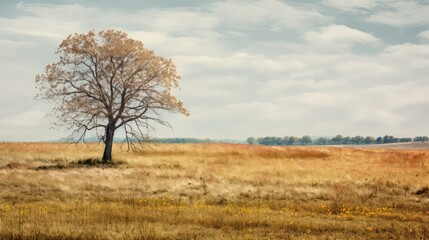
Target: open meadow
<point>212,191</point>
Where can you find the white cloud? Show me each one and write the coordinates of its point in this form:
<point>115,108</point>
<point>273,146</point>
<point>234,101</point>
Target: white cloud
<point>26,119</point>
<point>312,99</point>
<point>278,14</point>
<point>396,13</point>
<point>45,20</point>
<point>401,13</point>
<point>56,21</point>
<point>339,37</point>
<point>5,43</point>
<point>238,63</point>
<point>408,50</point>
<point>165,44</point>
<point>410,59</point>
<point>356,5</point>
<point>67,11</point>
<point>424,34</point>
<point>177,20</point>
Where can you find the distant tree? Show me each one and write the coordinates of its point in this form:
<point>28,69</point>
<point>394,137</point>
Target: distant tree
<point>379,140</point>
<point>268,141</point>
<point>305,140</point>
<point>107,81</point>
<point>388,139</point>
<point>369,140</point>
<point>323,141</point>
<point>265,141</point>
<point>359,139</point>
<point>285,140</point>
<point>346,140</point>
<point>293,140</point>
<point>337,139</point>
<point>278,141</point>
<point>421,139</point>
<point>405,140</point>
<point>251,140</point>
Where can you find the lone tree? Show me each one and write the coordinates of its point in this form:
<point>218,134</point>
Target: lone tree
<point>107,81</point>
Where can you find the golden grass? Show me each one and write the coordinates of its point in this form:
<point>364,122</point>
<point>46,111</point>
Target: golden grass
<point>213,191</point>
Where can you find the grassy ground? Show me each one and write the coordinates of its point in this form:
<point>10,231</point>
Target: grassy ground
<point>213,191</point>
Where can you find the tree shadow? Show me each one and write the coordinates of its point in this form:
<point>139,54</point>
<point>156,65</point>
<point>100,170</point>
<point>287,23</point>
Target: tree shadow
<point>83,163</point>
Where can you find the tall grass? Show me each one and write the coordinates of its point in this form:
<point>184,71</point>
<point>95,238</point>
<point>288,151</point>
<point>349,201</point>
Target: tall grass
<point>212,191</point>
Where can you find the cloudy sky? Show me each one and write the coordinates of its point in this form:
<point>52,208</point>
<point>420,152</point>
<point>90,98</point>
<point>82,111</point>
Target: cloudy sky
<point>248,67</point>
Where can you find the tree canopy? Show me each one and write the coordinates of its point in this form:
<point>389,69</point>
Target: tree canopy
<point>105,81</point>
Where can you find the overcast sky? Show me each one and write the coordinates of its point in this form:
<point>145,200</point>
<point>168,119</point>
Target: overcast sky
<point>249,68</point>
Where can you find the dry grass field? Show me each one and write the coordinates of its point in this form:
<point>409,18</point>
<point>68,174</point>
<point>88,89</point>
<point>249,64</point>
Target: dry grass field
<point>213,191</point>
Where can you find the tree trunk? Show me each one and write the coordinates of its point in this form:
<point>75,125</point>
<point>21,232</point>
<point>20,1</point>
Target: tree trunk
<point>108,142</point>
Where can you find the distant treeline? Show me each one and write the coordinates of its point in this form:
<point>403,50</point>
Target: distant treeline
<point>181,140</point>
<point>194,140</point>
<point>337,140</point>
